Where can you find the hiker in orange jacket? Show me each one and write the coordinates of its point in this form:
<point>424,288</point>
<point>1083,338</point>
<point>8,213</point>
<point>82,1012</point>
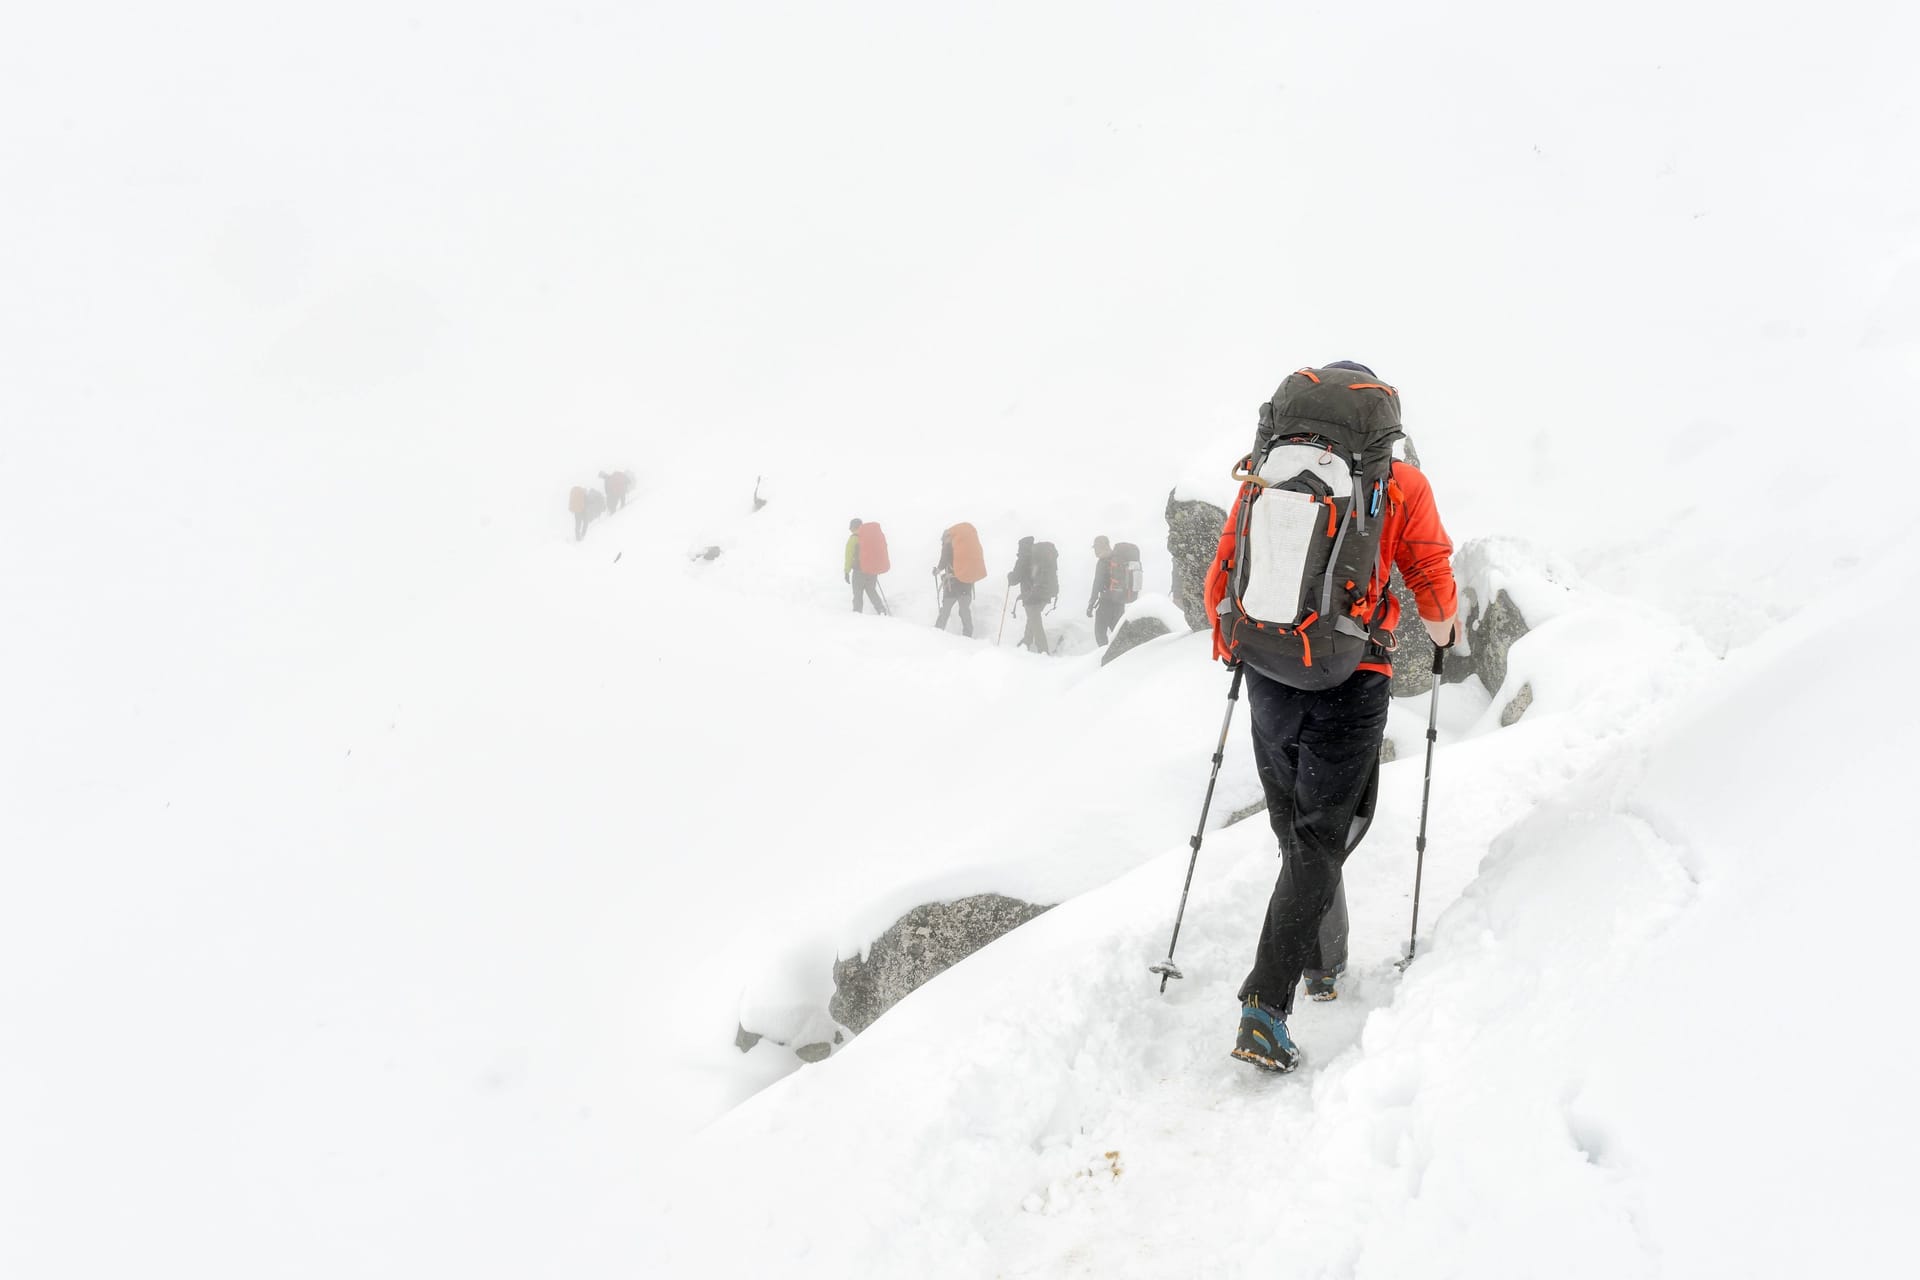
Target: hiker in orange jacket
<point>1318,751</point>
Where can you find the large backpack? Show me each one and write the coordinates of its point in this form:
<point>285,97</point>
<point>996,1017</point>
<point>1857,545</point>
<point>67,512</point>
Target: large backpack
<point>1125,577</point>
<point>969,561</point>
<point>1044,576</point>
<point>873,550</point>
<point>1305,530</point>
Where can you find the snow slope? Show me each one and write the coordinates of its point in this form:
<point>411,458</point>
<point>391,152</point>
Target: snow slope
<point>1599,1066</point>
<point>383,872</point>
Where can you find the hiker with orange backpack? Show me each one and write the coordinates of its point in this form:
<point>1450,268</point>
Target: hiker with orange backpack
<point>1298,594</point>
<point>866,560</point>
<point>577,504</point>
<point>962,564</point>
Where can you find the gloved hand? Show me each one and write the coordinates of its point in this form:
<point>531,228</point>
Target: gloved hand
<point>1443,633</point>
<point>847,576</point>
<point>1089,611</point>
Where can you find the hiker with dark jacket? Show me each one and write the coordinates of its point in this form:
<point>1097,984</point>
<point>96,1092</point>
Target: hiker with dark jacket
<point>616,485</point>
<point>1029,577</point>
<point>1317,751</point>
<point>1104,603</point>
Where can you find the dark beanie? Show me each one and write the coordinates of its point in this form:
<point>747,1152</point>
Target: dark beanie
<point>1354,365</point>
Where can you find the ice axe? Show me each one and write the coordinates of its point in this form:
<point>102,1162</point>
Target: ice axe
<point>1167,968</point>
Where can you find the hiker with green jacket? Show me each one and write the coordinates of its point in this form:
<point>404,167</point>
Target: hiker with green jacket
<point>865,561</point>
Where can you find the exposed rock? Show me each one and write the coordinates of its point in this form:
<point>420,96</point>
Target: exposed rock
<point>1492,630</point>
<point>1511,713</point>
<point>1133,633</point>
<point>1193,534</point>
<point>1388,752</point>
<point>704,553</point>
<point>1413,656</point>
<point>817,1051</point>
<point>924,942</point>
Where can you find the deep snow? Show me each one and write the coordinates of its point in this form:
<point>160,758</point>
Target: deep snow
<point>385,873</point>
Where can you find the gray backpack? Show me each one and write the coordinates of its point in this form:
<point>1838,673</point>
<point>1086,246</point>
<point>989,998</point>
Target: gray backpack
<point>1306,528</point>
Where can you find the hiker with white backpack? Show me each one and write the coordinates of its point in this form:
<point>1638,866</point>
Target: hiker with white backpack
<point>1298,594</point>
<point>1117,579</point>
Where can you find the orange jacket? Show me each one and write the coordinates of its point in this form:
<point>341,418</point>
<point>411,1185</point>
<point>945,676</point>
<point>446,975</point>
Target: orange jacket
<point>1412,538</point>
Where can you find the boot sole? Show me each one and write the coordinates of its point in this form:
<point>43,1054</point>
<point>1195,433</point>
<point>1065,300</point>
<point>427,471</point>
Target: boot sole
<point>1262,1061</point>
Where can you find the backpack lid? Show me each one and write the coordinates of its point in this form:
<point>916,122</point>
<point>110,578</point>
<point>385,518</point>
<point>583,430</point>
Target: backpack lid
<point>1359,415</point>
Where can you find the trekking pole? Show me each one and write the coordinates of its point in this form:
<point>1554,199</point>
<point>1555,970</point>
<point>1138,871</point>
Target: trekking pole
<point>886,610</point>
<point>1426,790</point>
<point>1001,634</point>
<point>1167,968</point>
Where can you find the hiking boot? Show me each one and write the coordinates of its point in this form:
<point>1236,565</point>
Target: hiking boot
<point>1263,1039</point>
<point>1320,983</point>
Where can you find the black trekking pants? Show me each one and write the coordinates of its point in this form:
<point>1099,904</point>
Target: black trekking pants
<point>1036,633</point>
<point>1318,755</point>
<point>1106,617</point>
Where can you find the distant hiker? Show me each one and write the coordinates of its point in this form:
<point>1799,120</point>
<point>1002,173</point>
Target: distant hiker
<point>758,501</point>
<point>1298,596</point>
<point>866,560</point>
<point>1036,575</point>
<point>1116,584</point>
<point>616,485</point>
<point>577,503</point>
<point>962,564</point>
<point>596,505</point>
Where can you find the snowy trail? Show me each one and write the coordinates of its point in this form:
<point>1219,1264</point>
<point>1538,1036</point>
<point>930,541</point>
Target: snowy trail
<point>1047,1111</point>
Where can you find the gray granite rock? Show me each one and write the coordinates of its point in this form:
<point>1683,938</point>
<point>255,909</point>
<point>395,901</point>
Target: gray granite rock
<point>1492,629</point>
<point>1193,535</point>
<point>924,942</point>
<point>1413,659</point>
<point>1511,713</point>
<point>819,1051</point>
<point>1133,633</point>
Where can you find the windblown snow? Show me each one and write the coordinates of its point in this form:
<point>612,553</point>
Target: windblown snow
<point>387,873</point>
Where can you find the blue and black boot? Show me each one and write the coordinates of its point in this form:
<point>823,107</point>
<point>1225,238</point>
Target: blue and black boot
<point>1263,1038</point>
<point>1322,983</point>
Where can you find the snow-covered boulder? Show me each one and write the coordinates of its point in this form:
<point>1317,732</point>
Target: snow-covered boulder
<point>924,942</point>
<point>1133,633</point>
<point>1507,589</point>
